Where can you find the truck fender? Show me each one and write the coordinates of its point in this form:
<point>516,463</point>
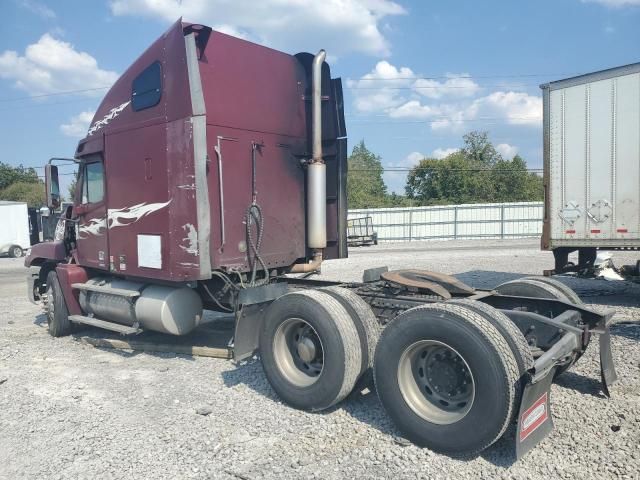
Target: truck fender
<point>45,252</point>
<point>69,274</point>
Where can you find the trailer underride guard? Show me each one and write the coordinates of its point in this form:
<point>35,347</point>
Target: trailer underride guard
<point>213,172</point>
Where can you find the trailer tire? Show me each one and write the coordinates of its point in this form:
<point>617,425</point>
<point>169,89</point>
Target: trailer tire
<point>58,316</point>
<point>310,350</point>
<point>15,251</point>
<point>363,319</point>
<point>415,344</point>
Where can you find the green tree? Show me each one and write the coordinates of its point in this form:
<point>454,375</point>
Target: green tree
<point>479,149</point>
<point>30,192</point>
<point>513,183</point>
<point>10,174</point>
<point>365,185</point>
<point>72,189</point>
<point>454,179</point>
<point>477,173</point>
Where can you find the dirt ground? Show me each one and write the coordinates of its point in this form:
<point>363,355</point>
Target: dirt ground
<point>69,410</point>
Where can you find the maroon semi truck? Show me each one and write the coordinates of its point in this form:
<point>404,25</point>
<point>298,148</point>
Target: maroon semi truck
<point>214,171</point>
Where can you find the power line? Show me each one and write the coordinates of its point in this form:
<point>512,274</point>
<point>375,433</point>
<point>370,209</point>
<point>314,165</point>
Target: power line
<point>445,87</point>
<point>452,119</point>
<point>437,77</point>
<point>407,169</point>
<point>53,94</point>
<point>454,77</point>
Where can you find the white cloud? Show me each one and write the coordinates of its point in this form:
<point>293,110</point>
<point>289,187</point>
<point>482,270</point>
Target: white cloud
<point>517,108</point>
<point>399,91</point>
<point>78,125</point>
<point>413,109</point>
<point>51,65</point>
<point>615,3</point>
<point>440,153</point>
<point>507,151</point>
<point>370,96</point>
<point>413,159</point>
<point>340,26</point>
<point>38,8</point>
<point>447,105</point>
<point>456,85</point>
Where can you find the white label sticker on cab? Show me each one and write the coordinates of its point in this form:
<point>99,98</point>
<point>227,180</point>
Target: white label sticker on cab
<point>150,251</point>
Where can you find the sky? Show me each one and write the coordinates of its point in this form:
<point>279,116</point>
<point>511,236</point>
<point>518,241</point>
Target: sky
<point>417,74</point>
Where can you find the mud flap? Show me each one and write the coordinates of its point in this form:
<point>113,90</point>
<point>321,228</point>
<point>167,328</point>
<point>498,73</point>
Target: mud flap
<point>247,331</point>
<point>534,417</point>
<point>608,373</point>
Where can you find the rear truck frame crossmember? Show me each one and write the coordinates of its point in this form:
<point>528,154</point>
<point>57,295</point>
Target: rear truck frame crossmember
<point>556,330</point>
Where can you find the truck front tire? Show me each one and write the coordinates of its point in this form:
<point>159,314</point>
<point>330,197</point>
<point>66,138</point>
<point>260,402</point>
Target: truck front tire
<point>447,378</point>
<point>15,251</point>
<point>310,350</point>
<point>56,308</point>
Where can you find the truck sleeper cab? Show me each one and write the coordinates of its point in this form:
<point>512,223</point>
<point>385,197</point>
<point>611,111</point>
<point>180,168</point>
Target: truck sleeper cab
<point>213,169</point>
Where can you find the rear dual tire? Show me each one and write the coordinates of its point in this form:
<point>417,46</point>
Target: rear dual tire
<point>447,378</point>
<point>312,348</point>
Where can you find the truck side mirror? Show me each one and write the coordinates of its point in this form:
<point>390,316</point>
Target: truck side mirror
<point>52,186</point>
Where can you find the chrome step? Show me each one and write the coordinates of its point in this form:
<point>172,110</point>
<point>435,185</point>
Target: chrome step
<point>100,289</point>
<point>95,322</point>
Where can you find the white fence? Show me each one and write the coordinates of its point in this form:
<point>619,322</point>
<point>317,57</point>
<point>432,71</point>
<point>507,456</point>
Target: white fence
<point>486,220</point>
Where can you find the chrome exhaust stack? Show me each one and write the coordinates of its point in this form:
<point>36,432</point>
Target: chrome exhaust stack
<point>316,177</point>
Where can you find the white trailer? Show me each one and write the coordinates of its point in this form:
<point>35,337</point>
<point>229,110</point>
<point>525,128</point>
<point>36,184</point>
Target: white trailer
<point>592,164</point>
<point>14,228</point>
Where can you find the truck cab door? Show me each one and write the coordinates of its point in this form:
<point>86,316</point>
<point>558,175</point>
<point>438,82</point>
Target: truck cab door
<point>90,212</point>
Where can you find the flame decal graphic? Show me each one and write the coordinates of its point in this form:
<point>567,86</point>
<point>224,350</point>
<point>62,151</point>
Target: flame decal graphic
<point>122,217</point>
<point>95,226</point>
<point>118,217</point>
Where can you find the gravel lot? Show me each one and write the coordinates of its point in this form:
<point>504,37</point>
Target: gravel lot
<point>68,410</point>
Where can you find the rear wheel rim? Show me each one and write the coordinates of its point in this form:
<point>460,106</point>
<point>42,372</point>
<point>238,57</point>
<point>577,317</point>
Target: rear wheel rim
<point>17,252</point>
<point>298,352</point>
<point>436,382</point>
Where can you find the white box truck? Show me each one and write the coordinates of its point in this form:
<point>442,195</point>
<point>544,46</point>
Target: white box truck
<point>14,228</point>
<point>591,141</point>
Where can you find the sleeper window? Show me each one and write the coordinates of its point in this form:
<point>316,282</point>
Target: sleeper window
<point>147,88</point>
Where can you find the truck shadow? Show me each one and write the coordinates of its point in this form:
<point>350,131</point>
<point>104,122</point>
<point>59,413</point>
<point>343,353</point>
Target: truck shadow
<point>581,384</point>
<point>627,329</point>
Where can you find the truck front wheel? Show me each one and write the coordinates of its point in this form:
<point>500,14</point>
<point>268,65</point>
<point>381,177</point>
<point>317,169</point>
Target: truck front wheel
<point>15,251</point>
<point>447,378</point>
<point>56,308</point>
<point>310,349</point>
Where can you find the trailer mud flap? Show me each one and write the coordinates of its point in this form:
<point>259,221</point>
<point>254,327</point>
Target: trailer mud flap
<point>534,418</point>
<point>608,373</point>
